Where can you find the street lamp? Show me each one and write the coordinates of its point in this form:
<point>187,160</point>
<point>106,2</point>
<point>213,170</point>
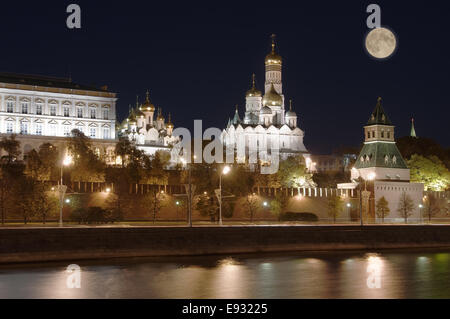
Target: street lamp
<point>62,189</point>
<point>225,171</point>
<point>420,212</point>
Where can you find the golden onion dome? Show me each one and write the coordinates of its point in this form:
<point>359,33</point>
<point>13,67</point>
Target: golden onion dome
<point>273,58</point>
<point>253,92</point>
<point>147,106</point>
<point>160,116</point>
<point>272,98</point>
<point>290,113</point>
<point>132,117</point>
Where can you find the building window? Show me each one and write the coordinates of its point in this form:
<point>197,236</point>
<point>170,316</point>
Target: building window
<point>24,108</point>
<point>53,110</point>
<point>105,114</point>
<point>373,134</point>
<point>93,114</point>
<point>66,130</point>
<point>80,112</point>
<point>10,107</point>
<point>382,134</point>
<point>38,109</point>
<point>52,129</point>
<point>9,128</point>
<point>66,111</point>
<point>24,128</point>
<point>38,129</point>
<point>388,134</point>
<point>106,133</point>
<point>92,132</point>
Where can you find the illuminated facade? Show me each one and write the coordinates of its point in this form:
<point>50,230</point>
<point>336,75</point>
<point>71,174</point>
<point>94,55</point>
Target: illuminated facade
<point>381,164</point>
<point>150,134</point>
<point>41,109</point>
<point>266,124</point>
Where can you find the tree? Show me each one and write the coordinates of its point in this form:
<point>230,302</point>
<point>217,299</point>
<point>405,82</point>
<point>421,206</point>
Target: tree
<point>432,206</point>
<point>405,206</point>
<point>382,208</point>
<point>278,204</point>
<point>251,205</point>
<point>46,203</point>
<point>425,147</point>
<point>429,171</point>
<point>154,201</point>
<point>87,166</point>
<point>335,206</point>
<point>207,205</point>
<point>12,147</point>
<point>292,172</point>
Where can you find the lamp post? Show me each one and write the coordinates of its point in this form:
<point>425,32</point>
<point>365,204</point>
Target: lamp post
<point>225,171</point>
<point>370,177</point>
<point>420,213</point>
<point>62,189</point>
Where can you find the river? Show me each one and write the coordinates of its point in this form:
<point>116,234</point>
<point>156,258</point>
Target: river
<point>392,274</point>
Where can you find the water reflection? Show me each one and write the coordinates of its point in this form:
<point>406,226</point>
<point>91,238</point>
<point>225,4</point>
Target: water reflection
<point>319,275</point>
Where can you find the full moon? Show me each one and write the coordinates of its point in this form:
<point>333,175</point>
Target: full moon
<point>381,43</point>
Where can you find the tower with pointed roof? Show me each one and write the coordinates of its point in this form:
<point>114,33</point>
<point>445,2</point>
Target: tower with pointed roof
<point>380,155</point>
<point>413,129</point>
<point>381,170</point>
<point>265,123</point>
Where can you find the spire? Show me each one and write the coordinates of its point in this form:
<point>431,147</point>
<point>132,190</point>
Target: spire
<point>290,105</point>
<point>253,81</point>
<point>236,119</point>
<point>273,36</point>
<point>413,130</point>
<point>137,101</point>
<point>147,96</point>
<point>170,119</point>
<point>378,116</point>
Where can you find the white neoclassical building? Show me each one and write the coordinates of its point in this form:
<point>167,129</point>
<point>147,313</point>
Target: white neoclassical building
<point>266,125</point>
<point>42,109</point>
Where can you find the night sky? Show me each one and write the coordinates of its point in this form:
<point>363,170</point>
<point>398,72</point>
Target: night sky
<point>197,59</point>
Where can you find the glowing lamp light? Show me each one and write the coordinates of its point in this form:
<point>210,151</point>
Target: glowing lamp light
<point>67,161</point>
<point>108,190</point>
<point>68,201</point>
<point>266,204</point>
<point>177,203</point>
<point>226,170</point>
<point>349,205</point>
<point>371,176</point>
<point>53,188</point>
<point>420,206</point>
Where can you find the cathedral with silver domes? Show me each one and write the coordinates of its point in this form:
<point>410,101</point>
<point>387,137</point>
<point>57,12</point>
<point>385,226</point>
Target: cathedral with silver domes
<point>149,134</point>
<point>266,124</point>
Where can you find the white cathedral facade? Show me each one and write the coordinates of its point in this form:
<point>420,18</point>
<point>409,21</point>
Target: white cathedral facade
<point>148,133</point>
<point>266,125</point>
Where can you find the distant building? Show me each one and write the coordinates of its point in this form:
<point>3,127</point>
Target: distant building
<point>332,163</point>
<point>42,109</point>
<point>149,134</point>
<point>380,161</point>
<point>266,123</point>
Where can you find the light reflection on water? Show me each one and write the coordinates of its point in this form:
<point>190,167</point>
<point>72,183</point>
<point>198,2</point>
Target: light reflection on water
<point>307,275</point>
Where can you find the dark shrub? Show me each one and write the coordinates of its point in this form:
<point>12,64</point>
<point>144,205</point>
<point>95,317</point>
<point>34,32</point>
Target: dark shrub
<point>299,217</point>
<point>79,216</point>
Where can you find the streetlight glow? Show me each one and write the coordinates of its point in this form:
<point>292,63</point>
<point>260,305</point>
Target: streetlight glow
<point>371,176</point>
<point>67,160</point>
<point>226,170</point>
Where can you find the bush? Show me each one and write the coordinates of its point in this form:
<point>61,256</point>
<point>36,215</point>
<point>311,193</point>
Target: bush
<point>299,217</point>
<point>95,215</point>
